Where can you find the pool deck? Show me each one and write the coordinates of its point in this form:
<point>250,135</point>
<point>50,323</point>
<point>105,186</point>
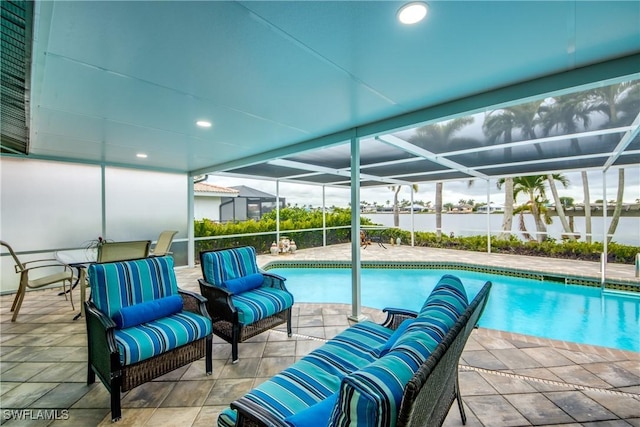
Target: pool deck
<point>506,379</point>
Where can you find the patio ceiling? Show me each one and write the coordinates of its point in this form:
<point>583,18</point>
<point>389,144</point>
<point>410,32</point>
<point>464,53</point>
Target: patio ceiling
<point>286,86</point>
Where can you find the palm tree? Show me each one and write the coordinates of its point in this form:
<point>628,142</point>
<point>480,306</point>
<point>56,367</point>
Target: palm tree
<point>439,137</point>
<point>500,124</point>
<point>396,206</point>
<point>564,114</point>
<point>520,210</point>
<point>618,209</point>
<point>551,179</point>
<point>534,187</point>
<point>620,103</point>
<point>507,218</point>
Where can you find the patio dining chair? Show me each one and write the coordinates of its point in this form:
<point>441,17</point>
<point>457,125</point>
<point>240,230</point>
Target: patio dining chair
<point>27,279</point>
<point>123,251</point>
<point>164,243</point>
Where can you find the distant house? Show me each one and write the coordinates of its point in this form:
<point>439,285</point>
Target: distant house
<point>461,209</point>
<point>208,198</point>
<point>492,208</point>
<point>415,208</point>
<point>248,204</point>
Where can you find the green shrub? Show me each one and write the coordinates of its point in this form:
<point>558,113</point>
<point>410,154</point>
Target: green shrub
<point>294,219</point>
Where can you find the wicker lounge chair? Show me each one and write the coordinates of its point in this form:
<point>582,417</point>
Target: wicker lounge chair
<point>239,314</point>
<point>140,325</point>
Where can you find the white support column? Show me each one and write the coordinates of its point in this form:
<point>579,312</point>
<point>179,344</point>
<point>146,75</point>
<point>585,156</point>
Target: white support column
<point>356,297</point>
<point>413,228</point>
<point>605,230</point>
<point>324,216</point>
<point>277,212</point>
<point>488,216</point>
<point>191,244</point>
<point>103,183</point>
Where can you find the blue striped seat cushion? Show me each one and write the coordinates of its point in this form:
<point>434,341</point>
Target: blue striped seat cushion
<point>261,303</point>
<point>123,284</point>
<point>317,375</point>
<point>144,341</point>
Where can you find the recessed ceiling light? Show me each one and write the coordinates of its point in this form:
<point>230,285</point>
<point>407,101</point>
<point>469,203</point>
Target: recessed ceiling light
<point>203,123</point>
<point>412,13</point>
<point>141,156</point>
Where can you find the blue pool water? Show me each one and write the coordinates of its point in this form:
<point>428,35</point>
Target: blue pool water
<point>543,309</point>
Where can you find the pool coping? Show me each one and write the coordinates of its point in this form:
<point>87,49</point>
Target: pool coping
<point>567,279</point>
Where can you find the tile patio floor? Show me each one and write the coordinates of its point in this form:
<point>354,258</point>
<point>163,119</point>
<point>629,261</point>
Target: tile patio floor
<point>505,379</point>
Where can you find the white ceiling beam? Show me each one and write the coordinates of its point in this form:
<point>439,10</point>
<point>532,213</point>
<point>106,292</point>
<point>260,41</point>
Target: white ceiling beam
<point>343,172</point>
<point>624,143</point>
<point>428,155</point>
<point>539,140</point>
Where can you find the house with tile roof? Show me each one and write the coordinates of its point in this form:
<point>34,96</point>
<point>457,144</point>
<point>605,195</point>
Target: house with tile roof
<point>208,198</point>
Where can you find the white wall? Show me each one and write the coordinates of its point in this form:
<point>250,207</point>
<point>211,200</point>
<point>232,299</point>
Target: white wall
<point>206,207</point>
<point>46,206</point>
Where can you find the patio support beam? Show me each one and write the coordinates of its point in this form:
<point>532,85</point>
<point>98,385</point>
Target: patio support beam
<point>605,230</point>
<point>277,212</point>
<point>627,138</point>
<point>324,216</point>
<point>103,200</point>
<point>191,245</point>
<point>356,297</point>
<point>413,225</point>
<point>489,216</point>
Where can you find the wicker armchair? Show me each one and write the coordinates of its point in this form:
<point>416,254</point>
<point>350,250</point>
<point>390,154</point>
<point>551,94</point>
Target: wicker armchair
<point>239,314</point>
<point>125,325</point>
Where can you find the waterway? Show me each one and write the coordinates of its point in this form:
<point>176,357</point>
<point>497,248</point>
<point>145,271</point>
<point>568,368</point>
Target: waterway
<point>627,232</point>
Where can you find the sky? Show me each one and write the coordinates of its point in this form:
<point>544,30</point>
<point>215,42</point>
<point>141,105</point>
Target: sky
<point>453,191</point>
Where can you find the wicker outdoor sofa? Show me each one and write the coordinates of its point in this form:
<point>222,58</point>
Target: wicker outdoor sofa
<point>403,372</point>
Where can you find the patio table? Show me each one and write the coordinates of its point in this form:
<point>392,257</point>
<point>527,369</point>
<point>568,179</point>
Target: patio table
<point>374,235</point>
<point>79,259</point>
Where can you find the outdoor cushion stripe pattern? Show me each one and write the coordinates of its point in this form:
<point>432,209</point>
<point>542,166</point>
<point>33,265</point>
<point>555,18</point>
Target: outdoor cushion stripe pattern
<point>150,339</point>
<point>131,282</point>
<point>449,297</point>
<point>220,266</point>
<point>317,375</point>
<point>261,303</point>
<point>227,418</point>
<point>372,395</point>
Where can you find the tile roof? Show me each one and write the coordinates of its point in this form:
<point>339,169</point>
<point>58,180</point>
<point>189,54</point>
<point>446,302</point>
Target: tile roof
<point>201,187</point>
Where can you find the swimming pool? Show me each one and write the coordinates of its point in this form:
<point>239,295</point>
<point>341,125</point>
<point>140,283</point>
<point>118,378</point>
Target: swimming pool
<point>525,306</point>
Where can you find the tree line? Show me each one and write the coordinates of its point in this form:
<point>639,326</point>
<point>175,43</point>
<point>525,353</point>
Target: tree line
<point>614,105</point>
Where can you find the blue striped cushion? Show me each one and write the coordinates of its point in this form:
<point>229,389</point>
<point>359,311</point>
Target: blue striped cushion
<point>261,303</point>
<point>227,418</point>
<point>441,310</point>
<point>228,264</point>
<point>317,375</point>
<point>150,339</point>
<point>449,297</point>
<point>122,284</point>
<point>371,396</point>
